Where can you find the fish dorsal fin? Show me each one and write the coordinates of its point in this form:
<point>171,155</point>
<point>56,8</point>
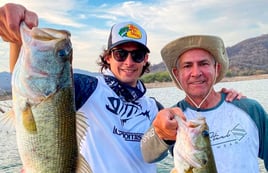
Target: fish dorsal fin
<point>82,165</point>
<point>81,127</point>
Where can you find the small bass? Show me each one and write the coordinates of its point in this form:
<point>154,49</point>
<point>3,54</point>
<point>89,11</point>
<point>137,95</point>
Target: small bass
<point>192,151</point>
<point>43,103</point>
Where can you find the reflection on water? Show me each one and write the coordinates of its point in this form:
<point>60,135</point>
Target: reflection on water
<point>10,161</point>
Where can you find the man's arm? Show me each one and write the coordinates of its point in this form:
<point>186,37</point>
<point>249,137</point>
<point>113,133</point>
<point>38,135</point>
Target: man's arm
<point>161,136</point>
<point>153,148</point>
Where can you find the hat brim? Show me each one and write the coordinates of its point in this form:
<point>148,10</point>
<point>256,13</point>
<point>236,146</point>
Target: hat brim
<point>213,44</point>
<point>129,41</point>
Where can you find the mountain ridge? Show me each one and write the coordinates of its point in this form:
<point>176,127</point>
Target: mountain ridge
<point>247,57</point>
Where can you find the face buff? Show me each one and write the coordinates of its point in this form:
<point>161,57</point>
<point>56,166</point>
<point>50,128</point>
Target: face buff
<point>126,92</point>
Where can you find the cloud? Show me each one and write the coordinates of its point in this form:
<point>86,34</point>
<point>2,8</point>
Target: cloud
<point>164,21</point>
<point>4,54</point>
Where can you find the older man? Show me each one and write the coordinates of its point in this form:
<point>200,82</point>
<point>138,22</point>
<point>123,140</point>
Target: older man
<point>196,63</point>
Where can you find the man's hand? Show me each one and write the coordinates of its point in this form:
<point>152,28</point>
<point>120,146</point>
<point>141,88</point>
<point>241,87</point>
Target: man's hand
<point>166,125</point>
<point>232,94</point>
<point>11,15</point>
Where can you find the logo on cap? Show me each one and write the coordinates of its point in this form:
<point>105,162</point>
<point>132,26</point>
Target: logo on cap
<point>130,31</point>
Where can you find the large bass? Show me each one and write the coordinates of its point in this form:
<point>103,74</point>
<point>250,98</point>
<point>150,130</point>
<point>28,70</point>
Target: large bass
<point>192,151</point>
<point>43,103</point>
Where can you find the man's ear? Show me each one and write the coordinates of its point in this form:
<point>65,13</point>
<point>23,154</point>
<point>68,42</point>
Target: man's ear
<point>175,72</point>
<point>146,59</point>
<point>219,67</point>
<point>107,58</point>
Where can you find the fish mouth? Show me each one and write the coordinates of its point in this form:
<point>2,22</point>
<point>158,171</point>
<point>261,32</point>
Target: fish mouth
<point>44,64</point>
<point>191,130</point>
<point>47,34</point>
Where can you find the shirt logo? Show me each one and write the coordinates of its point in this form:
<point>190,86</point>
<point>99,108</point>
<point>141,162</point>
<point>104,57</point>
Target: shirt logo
<point>130,31</point>
<point>128,136</point>
<point>125,111</point>
<point>232,136</point>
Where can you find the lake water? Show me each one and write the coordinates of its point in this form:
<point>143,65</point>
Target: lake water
<point>257,89</point>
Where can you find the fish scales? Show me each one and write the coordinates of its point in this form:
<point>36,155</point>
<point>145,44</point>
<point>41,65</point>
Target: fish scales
<point>192,151</point>
<point>53,145</point>
<point>43,103</point>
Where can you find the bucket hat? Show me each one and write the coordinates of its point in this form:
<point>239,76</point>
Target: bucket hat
<point>213,44</point>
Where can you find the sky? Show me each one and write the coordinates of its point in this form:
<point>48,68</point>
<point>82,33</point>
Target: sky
<point>89,22</point>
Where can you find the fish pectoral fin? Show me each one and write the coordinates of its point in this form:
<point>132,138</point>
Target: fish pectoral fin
<point>28,120</point>
<point>7,121</point>
<point>82,165</point>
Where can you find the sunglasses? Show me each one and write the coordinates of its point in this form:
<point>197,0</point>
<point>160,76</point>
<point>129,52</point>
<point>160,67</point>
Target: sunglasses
<point>121,55</point>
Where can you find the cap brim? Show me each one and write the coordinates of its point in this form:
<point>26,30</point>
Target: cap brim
<point>128,41</point>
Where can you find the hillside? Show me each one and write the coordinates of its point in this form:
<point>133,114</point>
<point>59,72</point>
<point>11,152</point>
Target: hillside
<point>5,85</point>
<point>247,57</point>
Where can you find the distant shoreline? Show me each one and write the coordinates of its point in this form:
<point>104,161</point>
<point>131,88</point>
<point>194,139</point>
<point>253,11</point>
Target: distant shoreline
<point>5,97</point>
<point>171,84</point>
<point>226,79</point>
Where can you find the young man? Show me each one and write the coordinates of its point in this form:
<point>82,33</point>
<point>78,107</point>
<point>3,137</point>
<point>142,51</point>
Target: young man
<point>196,64</point>
<point>117,110</point>
<point>115,104</point>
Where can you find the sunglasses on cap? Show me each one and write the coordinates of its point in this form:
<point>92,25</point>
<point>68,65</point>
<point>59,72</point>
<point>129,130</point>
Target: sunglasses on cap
<point>121,55</point>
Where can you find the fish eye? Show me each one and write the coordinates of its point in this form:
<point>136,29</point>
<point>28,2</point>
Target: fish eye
<point>205,133</point>
<point>62,53</point>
